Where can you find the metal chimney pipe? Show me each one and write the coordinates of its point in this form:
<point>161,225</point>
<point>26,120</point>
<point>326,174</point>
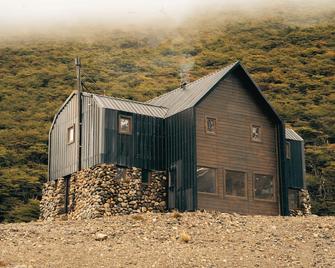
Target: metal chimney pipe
<point>79,109</point>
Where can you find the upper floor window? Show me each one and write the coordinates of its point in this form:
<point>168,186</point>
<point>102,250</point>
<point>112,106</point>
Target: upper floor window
<point>125,124</point>
<point>70,135</point>
<point>288,150</point>
<point>256,134</point>
<point>210,125</point>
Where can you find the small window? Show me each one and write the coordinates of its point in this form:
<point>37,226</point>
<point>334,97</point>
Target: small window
<point>70,135</point>
<point>256,134</point>
<point>293,198</point>
<point>125,124</point>
<point>288,150</point>
<point>235,183</point>
<point>210,125</point>
<point>146,176</point>
<point>206,180</point>
<point>264,187</point>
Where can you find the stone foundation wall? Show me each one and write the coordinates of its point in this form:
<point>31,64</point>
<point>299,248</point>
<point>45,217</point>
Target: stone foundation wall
<point>305,207</point>
<point>104,190</point>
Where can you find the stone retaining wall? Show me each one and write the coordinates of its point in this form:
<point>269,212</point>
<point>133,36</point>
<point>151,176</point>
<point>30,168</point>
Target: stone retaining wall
<point>104,190</point>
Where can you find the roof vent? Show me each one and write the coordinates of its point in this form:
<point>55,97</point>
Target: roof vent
<point>183,84</point>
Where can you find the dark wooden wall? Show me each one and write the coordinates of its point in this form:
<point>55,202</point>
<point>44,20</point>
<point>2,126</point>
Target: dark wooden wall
<point>232,149</point>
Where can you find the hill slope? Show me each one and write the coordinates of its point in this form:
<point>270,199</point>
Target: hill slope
<point>293,62</point>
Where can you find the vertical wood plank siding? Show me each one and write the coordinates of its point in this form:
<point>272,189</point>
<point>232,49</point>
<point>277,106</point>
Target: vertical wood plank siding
<point>181,152</point>
<point>295,166</point>
<point>63,160</point>
<point>144,148</point>
<point>232,149</point>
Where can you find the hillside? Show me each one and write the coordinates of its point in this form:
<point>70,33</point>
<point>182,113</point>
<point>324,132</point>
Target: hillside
<point>290,56</point>
<point>171,240</point>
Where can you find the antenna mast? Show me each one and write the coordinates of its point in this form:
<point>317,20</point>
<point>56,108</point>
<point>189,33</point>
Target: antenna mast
<point>79,109</point>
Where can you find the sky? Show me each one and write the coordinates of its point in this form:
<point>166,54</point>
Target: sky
<point>30,14</point>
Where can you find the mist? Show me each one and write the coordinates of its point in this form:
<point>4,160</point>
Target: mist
<point>45,16</point>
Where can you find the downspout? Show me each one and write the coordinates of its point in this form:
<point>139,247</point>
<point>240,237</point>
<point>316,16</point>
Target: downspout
<point>79,109</point>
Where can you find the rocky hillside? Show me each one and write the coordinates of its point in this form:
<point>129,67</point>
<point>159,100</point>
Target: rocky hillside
<point>198,239</point>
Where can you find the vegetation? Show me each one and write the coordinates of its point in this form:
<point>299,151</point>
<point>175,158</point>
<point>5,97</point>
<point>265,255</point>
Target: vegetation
<point>290,56</point>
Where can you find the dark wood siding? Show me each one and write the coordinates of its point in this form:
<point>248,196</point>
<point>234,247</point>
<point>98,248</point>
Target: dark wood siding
<point>231,147</point>
<point>144,148</point>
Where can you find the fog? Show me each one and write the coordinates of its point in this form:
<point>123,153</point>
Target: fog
<point>44,15</point>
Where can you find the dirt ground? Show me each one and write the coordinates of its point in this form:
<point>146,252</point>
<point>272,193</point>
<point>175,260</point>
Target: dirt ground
<point>198,239</point>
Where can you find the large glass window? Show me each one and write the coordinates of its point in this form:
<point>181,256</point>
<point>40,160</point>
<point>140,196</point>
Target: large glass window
<point>264,187</point>
<point>206,180</point>
<point>235,183</point>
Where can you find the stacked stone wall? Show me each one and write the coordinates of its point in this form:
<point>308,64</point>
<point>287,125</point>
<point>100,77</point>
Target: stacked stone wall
<point>104,190</point>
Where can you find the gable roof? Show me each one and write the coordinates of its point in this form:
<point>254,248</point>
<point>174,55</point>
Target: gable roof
<point>181,99</point>
<point>129,106</point>
<point>290,134</point>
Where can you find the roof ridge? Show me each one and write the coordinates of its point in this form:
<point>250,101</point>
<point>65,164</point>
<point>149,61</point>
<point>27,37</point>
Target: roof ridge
<point>127,100</point>
<point>193,82</point>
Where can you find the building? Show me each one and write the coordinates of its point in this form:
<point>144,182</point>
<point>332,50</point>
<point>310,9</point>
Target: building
<point>220,141</point>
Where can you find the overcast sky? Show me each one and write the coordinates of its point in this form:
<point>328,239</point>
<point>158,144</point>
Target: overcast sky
<point>30,13</point>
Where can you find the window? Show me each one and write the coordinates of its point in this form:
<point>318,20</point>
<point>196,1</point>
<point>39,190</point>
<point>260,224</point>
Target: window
<point>70,135</point>
<point>264,187</point>
<point>235,183</point>
<point>206,180</point>
<point>210,125</point>
<point>146,176</point>
<point>125,124</point>
<point>288,150</point>
<point>293,198</point>
<point>256,134</point>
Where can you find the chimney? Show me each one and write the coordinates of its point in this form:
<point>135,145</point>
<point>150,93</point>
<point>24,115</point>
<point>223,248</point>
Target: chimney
<point>183,84</point>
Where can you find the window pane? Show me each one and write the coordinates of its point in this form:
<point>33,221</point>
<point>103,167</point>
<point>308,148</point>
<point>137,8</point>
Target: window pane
<point>124,124</point>
<point>210,125</point>
<point>206,180</point>
<point>256,133</point>
<point>235,183</point>
<point>70,134</point>
<point>264,187</point>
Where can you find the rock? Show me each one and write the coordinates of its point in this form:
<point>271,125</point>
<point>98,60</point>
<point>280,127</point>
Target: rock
<point>100,236</point>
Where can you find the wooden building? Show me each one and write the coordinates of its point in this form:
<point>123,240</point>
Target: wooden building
<point>219,140</point>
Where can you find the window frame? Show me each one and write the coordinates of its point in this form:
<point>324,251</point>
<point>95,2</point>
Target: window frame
<point>215,128</point>
<point>245,184</point>
<point>260,133</point>
<point>274,198</point>
<point>216,193</point>
<point>130,118</point>
<point>68,134</point>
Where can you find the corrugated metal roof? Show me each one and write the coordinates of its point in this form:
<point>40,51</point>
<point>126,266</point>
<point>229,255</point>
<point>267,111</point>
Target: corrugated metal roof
<point>183,98</point>
<point>130,106</point>
<point>290,134</point>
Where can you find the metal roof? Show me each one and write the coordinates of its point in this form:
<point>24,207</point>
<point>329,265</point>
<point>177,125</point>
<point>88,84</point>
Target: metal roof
<point>290,134</point>
<point>183,98</point>
<point>130,106</point>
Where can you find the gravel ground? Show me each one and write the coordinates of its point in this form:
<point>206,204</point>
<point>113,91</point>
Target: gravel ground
<point>197,239</point>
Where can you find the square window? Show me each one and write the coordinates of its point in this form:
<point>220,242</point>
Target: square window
<point>235,183</point>
<point>70,135</point>
<point>206,180</point>
<point>210,125</point>
<point>256,133</point>
<point>124,124</point>
<point>264,187</point>
<point>293,199</point>
<point>146,176</point>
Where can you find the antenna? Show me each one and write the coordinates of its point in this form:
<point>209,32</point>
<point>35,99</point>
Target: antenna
<point>79,109</point>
